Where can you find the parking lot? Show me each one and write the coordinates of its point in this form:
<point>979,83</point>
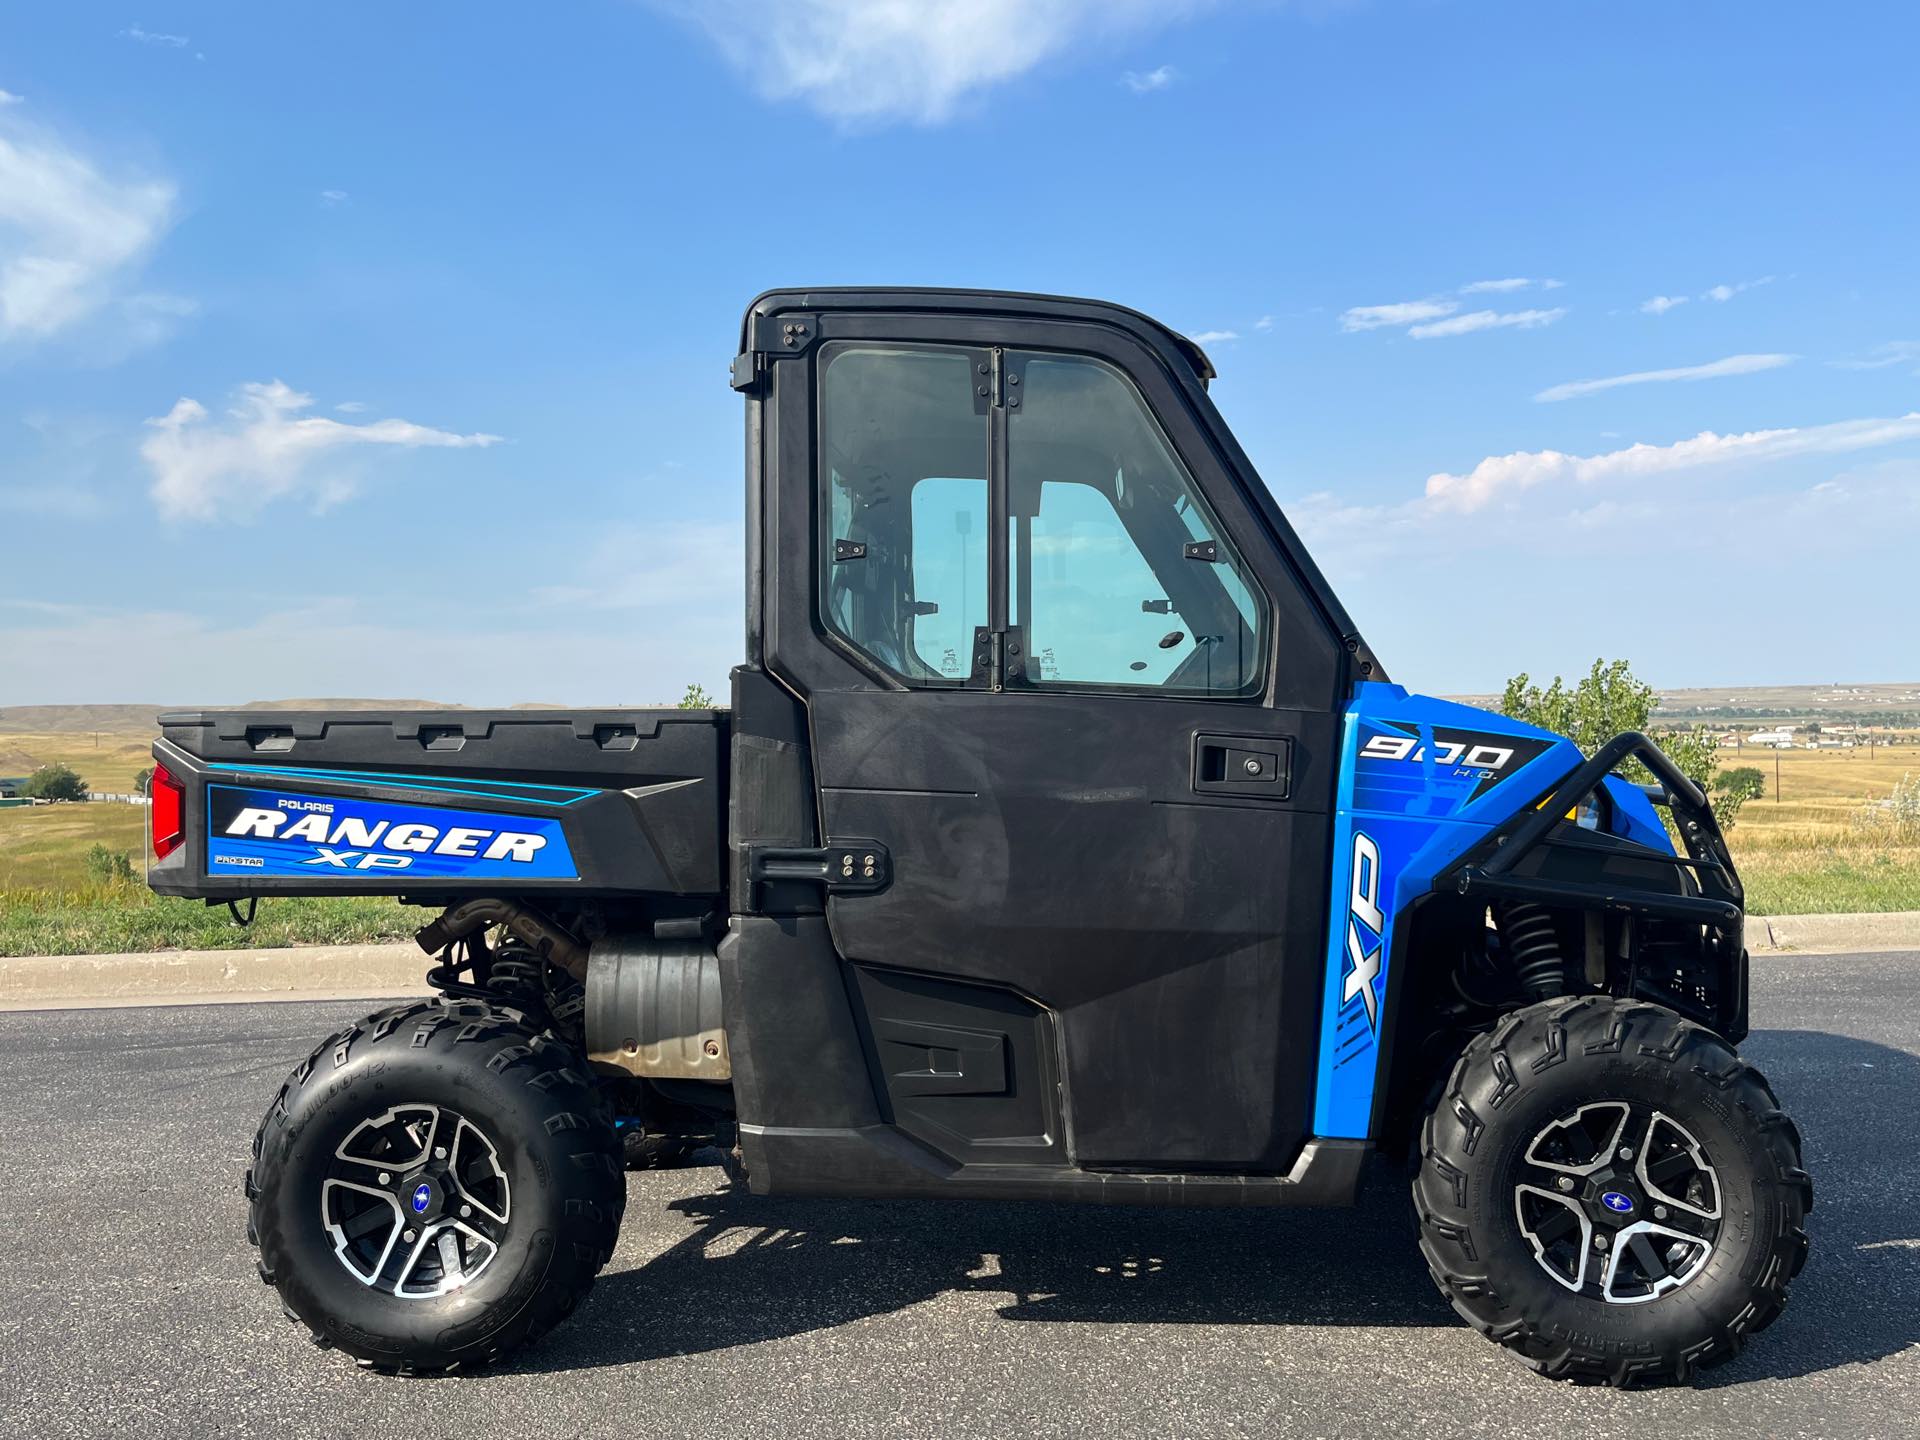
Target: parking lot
<point>128,1302</point>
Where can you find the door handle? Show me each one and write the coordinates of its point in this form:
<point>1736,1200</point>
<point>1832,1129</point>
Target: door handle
<point>1255,765</point>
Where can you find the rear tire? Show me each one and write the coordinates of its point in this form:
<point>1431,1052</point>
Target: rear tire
<point>504,1180</point>
<point>1536,1210</point>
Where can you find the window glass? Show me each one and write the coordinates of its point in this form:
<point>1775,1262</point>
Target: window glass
<point>903,436</point>
<point>1101,515</point>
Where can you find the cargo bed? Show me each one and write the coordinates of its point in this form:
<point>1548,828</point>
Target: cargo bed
<point>436,804</point>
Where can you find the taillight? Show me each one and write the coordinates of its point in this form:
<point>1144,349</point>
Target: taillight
<point>167,813</point>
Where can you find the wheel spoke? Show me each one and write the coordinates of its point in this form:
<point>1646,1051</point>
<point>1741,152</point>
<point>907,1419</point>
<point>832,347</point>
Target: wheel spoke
<point>367,1221</point>
<point>1648,1259</point>
<point>1668,1168</point>
<point>1562,1222</point>
<point>1690,1223</point>
<point>1582,1142</point>
<point>412,1261</point>
<point>1693,1160</point>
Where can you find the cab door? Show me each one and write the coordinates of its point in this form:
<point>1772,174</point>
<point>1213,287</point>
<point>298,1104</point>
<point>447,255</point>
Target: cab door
<point>1057,666</point>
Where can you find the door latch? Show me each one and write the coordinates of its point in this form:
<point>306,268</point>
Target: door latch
<point>1255,765</point>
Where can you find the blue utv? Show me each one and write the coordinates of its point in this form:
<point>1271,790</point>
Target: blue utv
<point>1063,840</point>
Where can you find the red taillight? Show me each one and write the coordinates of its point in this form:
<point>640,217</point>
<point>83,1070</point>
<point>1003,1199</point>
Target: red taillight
<point>167,813</point>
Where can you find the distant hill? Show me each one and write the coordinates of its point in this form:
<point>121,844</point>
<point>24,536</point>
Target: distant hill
<point>1887,703</point>
<point>1882,703</point>
<point>80,719</point>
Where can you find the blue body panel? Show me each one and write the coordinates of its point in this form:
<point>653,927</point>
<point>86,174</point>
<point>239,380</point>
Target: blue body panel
<point>1421,780</point>
<point>253,831</point>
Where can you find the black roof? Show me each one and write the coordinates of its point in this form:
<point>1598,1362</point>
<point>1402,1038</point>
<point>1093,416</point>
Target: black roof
<point>932,298</point>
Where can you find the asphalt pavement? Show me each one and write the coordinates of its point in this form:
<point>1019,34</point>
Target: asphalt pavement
<point>128,1302</point>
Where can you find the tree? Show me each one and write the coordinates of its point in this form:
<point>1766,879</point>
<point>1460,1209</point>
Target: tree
<point>141,780</point>
<point>54,782</point>
<point>696,698</point>
<point>1605,701</point>
<point>1743,780</point>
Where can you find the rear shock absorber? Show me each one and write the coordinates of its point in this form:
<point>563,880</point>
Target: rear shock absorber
<point>1533,946</point>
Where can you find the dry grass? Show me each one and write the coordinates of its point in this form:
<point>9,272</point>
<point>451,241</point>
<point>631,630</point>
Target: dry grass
<point>1801,849</point>
<point>45,846</point>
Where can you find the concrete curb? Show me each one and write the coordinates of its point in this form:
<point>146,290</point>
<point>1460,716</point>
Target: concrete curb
<point>322,972</point>
<point>1833,934</point>
<point>165,976</point>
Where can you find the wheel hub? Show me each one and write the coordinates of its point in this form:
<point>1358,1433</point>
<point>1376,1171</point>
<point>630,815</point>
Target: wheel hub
<point>1618,1202</point>
<point>416,1201</point>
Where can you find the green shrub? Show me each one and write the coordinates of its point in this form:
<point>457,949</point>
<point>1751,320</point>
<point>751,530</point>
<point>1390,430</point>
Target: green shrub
<point>108,867</point>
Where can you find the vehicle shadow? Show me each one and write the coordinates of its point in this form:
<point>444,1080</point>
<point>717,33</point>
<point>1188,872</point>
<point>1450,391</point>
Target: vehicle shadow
<point>754,1269</point>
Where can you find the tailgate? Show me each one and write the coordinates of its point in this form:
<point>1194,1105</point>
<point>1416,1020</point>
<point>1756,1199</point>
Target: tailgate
<point>439,804</point>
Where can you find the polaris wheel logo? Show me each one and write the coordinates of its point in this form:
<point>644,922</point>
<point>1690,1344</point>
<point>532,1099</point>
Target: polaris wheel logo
<point>1618,1203</point>
<point>422,1197</point>
<point>1366,930</point>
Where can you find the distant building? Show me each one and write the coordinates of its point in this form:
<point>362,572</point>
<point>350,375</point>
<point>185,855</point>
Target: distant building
<point>12,786</point>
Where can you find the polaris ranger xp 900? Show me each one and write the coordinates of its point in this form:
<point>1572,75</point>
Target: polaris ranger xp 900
<point>1063,840</point>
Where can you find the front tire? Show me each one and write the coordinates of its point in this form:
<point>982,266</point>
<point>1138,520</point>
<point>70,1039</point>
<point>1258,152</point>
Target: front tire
<point>435,1187</point>
<point>1611,1192</point>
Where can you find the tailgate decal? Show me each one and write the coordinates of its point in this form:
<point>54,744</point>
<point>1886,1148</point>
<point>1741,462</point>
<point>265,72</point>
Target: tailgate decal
<point>279,832</point>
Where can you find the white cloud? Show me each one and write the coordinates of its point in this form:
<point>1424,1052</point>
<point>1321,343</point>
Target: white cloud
<point>1209,337</point>
<point>1156,79</point>
<point>351,407</point>
<point>1405,312</point>
<point>1501,476</point>
<point>871,61</point>
<point>1732,365</point>
<point>1660,304</point>
<point>7,97</point>
<point>1509,285</point>
<point>69,235</point>
<point>333,197</point>
<point>147,37</point>
<point>1486,320</point>
<point>1265,322</point>
<point>1894,352</point>
<point>1724,293</point>
<point>263,450</point>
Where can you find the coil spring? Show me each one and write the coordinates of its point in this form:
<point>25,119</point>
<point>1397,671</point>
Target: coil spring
<point>1533,946</point>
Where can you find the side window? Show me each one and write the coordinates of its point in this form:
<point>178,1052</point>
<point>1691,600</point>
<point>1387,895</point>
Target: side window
<point>903,471</point>
<point>1120,574</point>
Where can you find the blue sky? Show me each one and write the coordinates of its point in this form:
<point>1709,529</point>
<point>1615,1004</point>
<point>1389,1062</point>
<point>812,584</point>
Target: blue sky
<point>381,350</point>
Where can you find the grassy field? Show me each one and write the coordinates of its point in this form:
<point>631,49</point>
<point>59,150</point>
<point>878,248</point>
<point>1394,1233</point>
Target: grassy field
<point>1800,848</point>
<point>48,906</point>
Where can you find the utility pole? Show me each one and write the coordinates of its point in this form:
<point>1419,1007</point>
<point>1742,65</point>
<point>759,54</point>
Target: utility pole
<point>1776,774</point>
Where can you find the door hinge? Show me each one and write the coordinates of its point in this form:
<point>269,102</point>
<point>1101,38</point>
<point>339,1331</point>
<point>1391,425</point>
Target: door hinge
<point>999,657</point>
<point>851,867</point>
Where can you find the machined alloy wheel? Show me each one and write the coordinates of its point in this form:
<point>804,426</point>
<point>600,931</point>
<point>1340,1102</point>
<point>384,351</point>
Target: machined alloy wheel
<point>1619,1202</point>
<point>417,1201</point>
